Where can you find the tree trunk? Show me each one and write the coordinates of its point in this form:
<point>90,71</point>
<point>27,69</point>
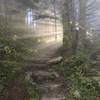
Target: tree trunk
<point>70,35</point>
<point>82,22</point>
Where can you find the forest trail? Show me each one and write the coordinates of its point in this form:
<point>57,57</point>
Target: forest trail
<point>49,83</point>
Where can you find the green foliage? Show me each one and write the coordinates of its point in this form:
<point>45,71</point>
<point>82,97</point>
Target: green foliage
<point>12,54</point>
<point>74,65</point>
<point>75,70</point>
<point>31,89</point>
<point>33,93</point>
<point>9,61</point>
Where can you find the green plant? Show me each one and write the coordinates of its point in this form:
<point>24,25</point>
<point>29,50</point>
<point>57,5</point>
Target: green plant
<point>82,87</point>
<point>12,53</point>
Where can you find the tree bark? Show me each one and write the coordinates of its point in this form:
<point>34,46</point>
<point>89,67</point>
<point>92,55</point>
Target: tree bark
<point>70,35</point>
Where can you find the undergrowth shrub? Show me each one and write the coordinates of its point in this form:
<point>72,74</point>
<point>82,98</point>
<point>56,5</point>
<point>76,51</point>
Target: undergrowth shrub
<point>12,53</point>
<point>75,70</point>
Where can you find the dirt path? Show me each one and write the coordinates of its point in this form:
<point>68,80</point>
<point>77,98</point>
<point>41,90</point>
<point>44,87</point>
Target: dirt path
<point>49,83</point>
